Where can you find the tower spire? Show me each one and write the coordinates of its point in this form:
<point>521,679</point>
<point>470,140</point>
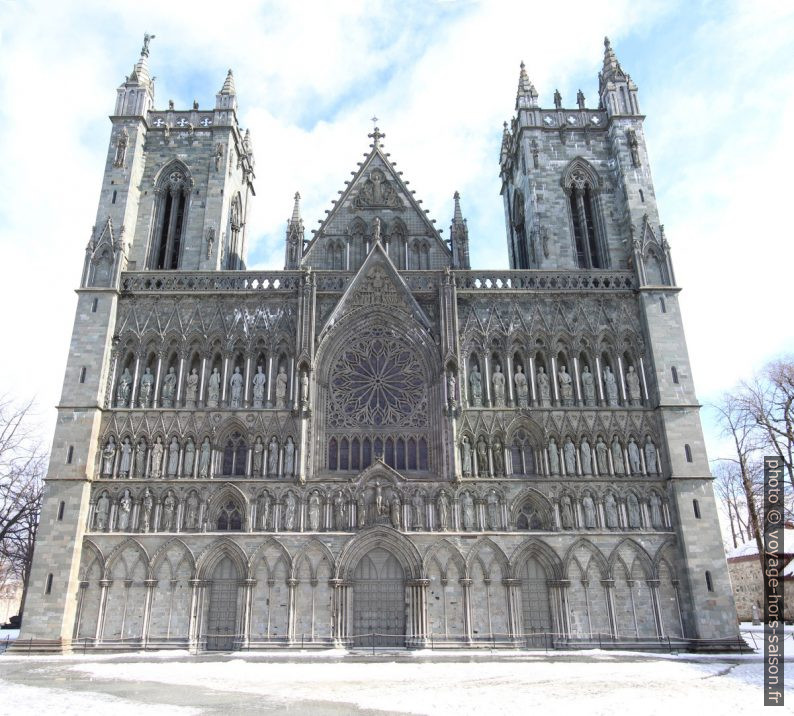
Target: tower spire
<point>227,96</point>
<point>295,235</point>
<point>527,95</point>
<point>459,237</point>
<point>617,92</point>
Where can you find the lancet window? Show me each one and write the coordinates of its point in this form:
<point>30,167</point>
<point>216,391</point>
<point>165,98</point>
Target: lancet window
<point>173,196</point>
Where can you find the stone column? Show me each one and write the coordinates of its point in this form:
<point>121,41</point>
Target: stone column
<point>338,612</point>
<point>202,381</point>
<point>644,382</point>
<point>486,379</point>
<point>292,583</point>
<point>630,583</point>
<point>248,594</point>
<point>532,388</point>
<point>157,375</point>
<point>150,584</point>
<point>576,381</point>
<point>110,399</point>
<point>512,589</point>
<point>653,584</point>
<point>622,381</point>
<point>193,629</point>
<point>224,381</point>
<point>675,584</point>
<point>466,584</point>
<point>555,384</point>
<point>291,398</point>
<point>609,595</point>
<point>509,380</point>
<point>247,382</point>
<point>135,379</point>
<point>104,584</point>
<point>599,384</point>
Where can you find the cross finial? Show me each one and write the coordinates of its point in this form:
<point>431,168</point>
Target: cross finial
<point>376,135</point>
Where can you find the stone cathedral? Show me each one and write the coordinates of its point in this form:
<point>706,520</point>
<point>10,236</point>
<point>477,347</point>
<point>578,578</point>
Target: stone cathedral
<point>378,445</point>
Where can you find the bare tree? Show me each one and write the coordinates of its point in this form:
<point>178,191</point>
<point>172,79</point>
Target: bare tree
<point>728,485</point>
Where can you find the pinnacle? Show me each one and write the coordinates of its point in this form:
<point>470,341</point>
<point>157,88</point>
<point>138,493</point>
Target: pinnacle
<point>296,210</point>
<point>458,215</point>
<point>611,64</point>
<point>228,84</point>
<point>525,88</point>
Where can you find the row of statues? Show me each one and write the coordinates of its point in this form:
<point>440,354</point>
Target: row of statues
<point>168,389</point>
<point>588,518</point>
<point>543,385</point>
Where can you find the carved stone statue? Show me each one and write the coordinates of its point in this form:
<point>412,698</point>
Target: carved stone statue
<point>451,386</point>
<point>214,389</point>
<point>191,389</point>
<point>169,510</point>
<point>396,508</point>
<point>544,388</point>
<point>124,388</point>
<point>169,389</point>
<point>588,387</point>
<point>417,510</point>
<point>566,386</point>
<point>587,457</point>
<point>304,389</point>
<point>475,385</point>
<point>589,512</point>
<point>634,512</point>
<point>314,511</point>
<point>651,458</point>
<point>281,388</point>
<point>173,457</point>
<point>482,457</point>
<point>522,387</point>
<point>617,456</point>
<point>190,458</point>
<point>656,511</point>
<point>466,451</point>
<point>361,512</point>
<point>191,512</point>
<point>469,522</point>
<point>442,505</point>
<point>204,458</point>
<point>497,452</point>
<point>289,512</point>
<point>494,521</point>
<point>102,512</point>
<point>272,457</point>
<point>263,510</point>
<point>566,512</point>
<point>145,389</point>
<point>125,507</point>
<point>633,386</point>
<point>259,450</point>
<point>236,384</point>
<point>108,457</point>
<point>611,509</point>
<point>634,457</point>
<point>260,380</point>
<point>611,387</point>
<point>569,451</point>
<point>289,458</point>
<point>156,469</point>
<point>498,382</point>
<point>601,457</point>
<point>147,504</point>
<point>554,457</point>
<point>340,512</point>
<point>140,458</point>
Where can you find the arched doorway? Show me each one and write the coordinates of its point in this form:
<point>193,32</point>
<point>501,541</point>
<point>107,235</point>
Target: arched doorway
<point>222,614</point>
<point>535,603</point>
<point>379,600</point>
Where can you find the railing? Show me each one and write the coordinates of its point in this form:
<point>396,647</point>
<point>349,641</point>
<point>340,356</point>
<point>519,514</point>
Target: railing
<point>545,280</point>
<point>209,281</point>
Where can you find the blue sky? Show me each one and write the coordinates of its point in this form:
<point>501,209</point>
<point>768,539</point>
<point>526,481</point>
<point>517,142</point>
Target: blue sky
<point>715,82</point>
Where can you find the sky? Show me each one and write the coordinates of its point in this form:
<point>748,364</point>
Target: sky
<point>715,81</point>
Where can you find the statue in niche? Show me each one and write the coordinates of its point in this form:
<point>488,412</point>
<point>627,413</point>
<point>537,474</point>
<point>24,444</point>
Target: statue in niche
<point>417,505</point>
<point>566,512</point>
<point>634,457</point>
<point>601,456</point>
<point>475,384</point>
<point>656,511</point>
<point>157,458</point>
<point>494,523</point>
<point>544,388</point>
<point>191,389</point>
<point>651,459</point>
<point>289,458</point>
<point>566,386</point>
<point>554,457</point>
<point>522,387</point>
<point>633,386</point>
<point>589,512</point>
<point>102,512</point>
<point>147,504</point>
<point>482,457</point>
<point>272,457</point>
<point>125,508</point>
<point>634,511</point>
<point>204,458</point>
<point>396,507</point>
<point>304,389</point>
<point>259,450</point>
<point>260,380</point>
<point>191,513</point>
<point>611,387</point>
<point>121,148</point>
<point>617,456</point>
<point>281,388</point>
<point>611,510</point>
<point>442,505</point>
<point>218,156</point>
<point>498,382</point>
<point>497,452</point>
<point>569,452</point>
<point>169,511</point>
<point>587,457</point>
<point>263,510</point>
<point>140,458</point>
<point>468,513</point>
<point>339,511</point>
<point>289,512</point>
<point>124,388</point>
<point>379,506</point>
<point>145,390</point>
<point>466,450</point>
<point>108,457</point>
<point>126,458</point>
<point>169,389</point>
<point>173,457</point>
<point>236,384</point>
<point>588,387</point>
<point>214,389</point>
<point>190,458</point>
<point>634,148</point>
<point>314,511</point>
<point>451,384</point>
<point>361,512</point>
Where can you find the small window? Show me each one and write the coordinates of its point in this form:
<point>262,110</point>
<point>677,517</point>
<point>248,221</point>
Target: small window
<point>113,201</point>
<point>61,508</point>
<point>48,588</point>
<point>69,455</point>
<point>642,196</point>
<point>663,304</point>
<point>674,371</point>
<point>696,508</point>
<point>688,452</point>
<point>709,582</point>
<point>94,305</point>
<point>82,374</point>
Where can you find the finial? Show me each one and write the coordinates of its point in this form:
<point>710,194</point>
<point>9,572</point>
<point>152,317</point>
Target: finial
<point>607,43</point>
<point>228,84</point>
<point>147,38</point>
<point>523,66</point>
<point>376,135</point>
<point>296,209</point>
<point>458,215</point>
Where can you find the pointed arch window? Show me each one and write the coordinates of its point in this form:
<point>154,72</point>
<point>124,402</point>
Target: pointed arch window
<point>173,195</point>
<point>230,517</point>
<point>235,455</point>
<point>520,252</point>
<point>580,186</point>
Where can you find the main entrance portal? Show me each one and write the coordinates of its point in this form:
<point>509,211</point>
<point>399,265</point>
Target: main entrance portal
<point>378,600</point>
<point>222,617</point>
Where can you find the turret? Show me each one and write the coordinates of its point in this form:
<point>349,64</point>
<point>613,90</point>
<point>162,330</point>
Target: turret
<point>136,93</point>
<point>459,238</point>
<point>294,246</point>
<point>615,88</point>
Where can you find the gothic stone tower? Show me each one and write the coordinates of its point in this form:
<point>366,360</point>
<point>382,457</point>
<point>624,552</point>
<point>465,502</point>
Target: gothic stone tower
<point>378,442</point>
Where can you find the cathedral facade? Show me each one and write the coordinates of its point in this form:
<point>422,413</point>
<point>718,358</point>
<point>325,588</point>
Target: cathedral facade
<point>378,445</point>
